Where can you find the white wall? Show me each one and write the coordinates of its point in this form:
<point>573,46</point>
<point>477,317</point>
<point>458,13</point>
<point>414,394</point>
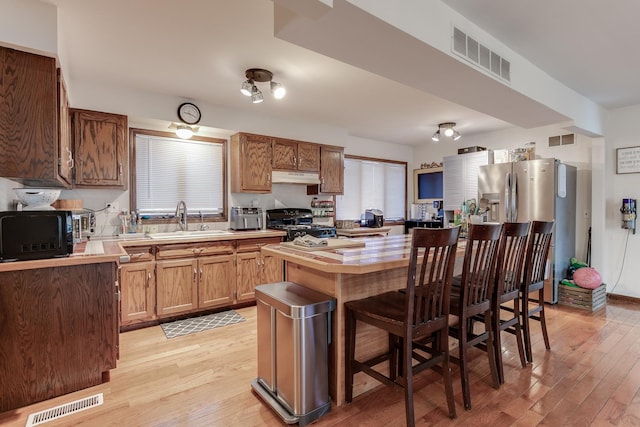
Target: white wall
<point>617,252</point>
<point>29,23</point>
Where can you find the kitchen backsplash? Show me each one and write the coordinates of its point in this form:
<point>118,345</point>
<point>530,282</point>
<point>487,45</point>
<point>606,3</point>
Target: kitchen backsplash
<point>108,224</point>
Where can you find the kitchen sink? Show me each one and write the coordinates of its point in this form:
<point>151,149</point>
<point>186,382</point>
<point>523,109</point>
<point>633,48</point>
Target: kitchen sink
<point>188,234</point>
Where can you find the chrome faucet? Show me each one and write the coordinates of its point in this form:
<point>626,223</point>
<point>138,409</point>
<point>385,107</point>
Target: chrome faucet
<point>203,226</point>
<point>181,215</point>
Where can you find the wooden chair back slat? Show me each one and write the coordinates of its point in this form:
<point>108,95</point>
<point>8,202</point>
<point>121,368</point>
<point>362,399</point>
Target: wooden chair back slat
<point>427,292</point>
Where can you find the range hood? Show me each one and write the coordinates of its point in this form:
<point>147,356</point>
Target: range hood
<point>286,177</point>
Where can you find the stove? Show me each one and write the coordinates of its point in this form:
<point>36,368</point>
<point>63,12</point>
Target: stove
<point>297,222</point>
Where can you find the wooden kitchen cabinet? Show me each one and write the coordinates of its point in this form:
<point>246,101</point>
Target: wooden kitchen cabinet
<point>216,275</point>
<point>291,155</point>
<point>331,171</point>
<point>176,286</point>
<point>308,157</point>
<point>254,268</point>
<point>191,277</point>
<point>138,287</point>
<point>251,157</point>
<point>66,161</point>
<point>59,331</point>
<point>100,148</point>
<point>34,120</point>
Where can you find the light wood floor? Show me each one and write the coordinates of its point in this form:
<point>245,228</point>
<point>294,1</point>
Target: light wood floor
<point>590,377</point>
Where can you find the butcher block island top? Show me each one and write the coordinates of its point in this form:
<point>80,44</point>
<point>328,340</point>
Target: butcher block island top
<point>348,274</point>
<point>374,254</point>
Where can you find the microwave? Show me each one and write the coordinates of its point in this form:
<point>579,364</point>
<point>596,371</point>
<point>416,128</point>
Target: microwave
<point>29,235</point>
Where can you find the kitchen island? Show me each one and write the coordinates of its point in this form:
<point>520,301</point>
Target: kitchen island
<point>349,274</point>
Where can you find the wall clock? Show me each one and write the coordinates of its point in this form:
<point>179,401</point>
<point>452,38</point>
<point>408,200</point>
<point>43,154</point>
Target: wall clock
<point>189,113</point>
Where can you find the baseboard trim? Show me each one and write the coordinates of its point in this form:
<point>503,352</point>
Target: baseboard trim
<point>623,298</point>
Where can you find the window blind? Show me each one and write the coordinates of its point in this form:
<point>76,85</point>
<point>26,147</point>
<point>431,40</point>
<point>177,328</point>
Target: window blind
<point>169,170</point>
<point>372,185</point>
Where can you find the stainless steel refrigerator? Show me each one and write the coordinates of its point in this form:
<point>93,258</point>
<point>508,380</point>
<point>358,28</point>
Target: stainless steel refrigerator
<point>541,189</point>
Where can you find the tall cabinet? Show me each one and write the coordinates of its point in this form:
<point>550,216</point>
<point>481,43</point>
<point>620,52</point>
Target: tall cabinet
<point>460,177</point>
<point>34,120</point>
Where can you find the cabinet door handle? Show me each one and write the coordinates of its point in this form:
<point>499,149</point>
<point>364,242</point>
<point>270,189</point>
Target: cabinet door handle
<point>120,168</point>
<point>195,275</point>
<point>201,273</point>
<point>295,160</point>
<point>148,279</point>
<point>70,161</point>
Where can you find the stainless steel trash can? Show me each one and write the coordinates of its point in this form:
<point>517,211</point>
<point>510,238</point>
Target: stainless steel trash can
<point>294,332</point>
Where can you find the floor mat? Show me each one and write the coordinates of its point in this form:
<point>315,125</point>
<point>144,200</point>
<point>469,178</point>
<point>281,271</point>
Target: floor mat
<point>202,323</point>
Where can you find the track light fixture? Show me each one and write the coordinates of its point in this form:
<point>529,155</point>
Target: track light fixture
<point>447,130</point>
<point>259,75</point>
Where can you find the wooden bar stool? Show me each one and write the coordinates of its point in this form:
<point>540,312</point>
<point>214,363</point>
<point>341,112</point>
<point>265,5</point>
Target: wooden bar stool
<point>420,312</point>
<point>533,281</point>
<point>471,295</point>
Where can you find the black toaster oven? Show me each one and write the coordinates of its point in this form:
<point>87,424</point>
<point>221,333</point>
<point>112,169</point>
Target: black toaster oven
<point>27,235</point>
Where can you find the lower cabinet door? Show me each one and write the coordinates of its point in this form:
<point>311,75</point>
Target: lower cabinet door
<point>248,275</point>
<point>215,274</point>
<point>138,292</point>
<point>177,286</point>
<point>253,270</point>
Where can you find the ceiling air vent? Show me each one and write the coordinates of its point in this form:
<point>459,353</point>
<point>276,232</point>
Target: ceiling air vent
<point>480,55</point>
<point>556,141</point>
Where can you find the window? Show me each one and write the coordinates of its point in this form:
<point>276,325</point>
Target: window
<point>373,184</point>
<point>166,170</point>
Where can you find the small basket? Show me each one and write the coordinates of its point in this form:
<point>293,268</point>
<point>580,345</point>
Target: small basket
<point>585,299</point>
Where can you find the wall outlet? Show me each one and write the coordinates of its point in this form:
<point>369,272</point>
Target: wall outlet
<point>112,207</point>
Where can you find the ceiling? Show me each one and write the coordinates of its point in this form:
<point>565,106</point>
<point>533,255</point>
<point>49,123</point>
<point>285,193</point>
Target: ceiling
<point>199,50</point>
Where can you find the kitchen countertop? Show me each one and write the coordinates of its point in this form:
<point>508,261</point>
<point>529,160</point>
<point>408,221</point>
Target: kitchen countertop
<point>229,235</point>
<point>111,249</point>
<point>362,231</point>
<point>378,254</point>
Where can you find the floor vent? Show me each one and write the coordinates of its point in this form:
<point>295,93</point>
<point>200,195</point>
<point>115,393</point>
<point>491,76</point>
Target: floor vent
<point>480,55</point>
<point>63,410</point>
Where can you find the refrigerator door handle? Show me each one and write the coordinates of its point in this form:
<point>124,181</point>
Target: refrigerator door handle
<point>514,198</point>
<point>507,197</point>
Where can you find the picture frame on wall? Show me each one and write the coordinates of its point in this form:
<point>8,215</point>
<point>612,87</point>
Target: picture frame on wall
<point>628,160</point>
